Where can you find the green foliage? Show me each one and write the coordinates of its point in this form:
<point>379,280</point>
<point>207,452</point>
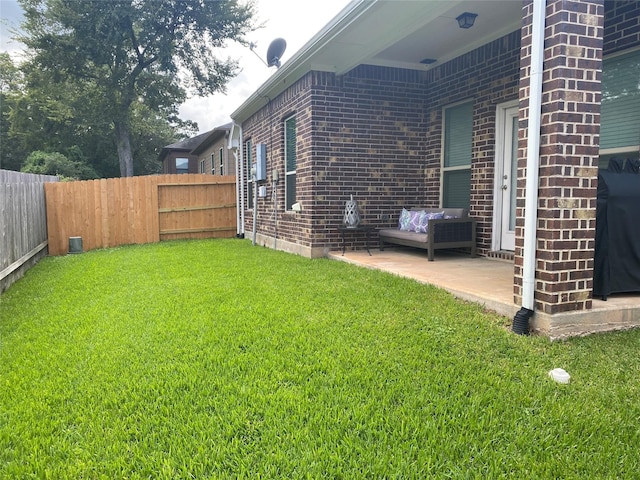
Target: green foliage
<point>119,56</point>
<point>11,80</point>
<point>55,163</point>
<point>216,359</point>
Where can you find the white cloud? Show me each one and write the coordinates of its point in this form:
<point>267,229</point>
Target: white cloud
<point>296,21</point>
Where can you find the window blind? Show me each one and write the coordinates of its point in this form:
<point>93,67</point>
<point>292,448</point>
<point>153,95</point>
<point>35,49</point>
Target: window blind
<point>620,110</point>
<point>458,138</point>
<point>458,135</point>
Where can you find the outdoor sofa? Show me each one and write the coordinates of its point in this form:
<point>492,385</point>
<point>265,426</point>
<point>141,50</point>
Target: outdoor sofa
<point>432,229</point>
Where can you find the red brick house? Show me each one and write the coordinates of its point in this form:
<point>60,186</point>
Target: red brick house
<point>398,105</point>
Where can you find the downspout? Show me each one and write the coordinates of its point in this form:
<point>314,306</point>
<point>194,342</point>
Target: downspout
<point>255,205</point>
<point>235,144</point>
<point>521,319</point>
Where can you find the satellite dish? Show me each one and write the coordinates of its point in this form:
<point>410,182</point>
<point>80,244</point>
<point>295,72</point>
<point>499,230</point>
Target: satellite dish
<point>275,51</point>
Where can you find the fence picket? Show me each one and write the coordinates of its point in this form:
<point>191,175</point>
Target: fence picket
<point>23,223</point>
<point>119,211</point>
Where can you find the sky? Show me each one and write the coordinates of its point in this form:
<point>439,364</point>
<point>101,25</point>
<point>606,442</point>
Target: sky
<point>297,21</point>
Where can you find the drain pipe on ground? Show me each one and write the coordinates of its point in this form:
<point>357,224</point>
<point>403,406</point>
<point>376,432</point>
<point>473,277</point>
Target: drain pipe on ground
<point>521,320</point>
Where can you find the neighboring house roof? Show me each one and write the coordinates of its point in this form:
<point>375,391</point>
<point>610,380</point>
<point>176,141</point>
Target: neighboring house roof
<point>211,137</point>
<point>401,34</point>
<point>190,145</point>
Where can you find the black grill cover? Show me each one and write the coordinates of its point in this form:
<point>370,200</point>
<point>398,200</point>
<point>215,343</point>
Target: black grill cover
<point>617,252</point>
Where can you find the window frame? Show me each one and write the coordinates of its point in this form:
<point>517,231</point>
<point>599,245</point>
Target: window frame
<point>181,171</point>
<point>455,169</point>
<point>221,157</point>
<point>248,155</point>
<point>628,151</point>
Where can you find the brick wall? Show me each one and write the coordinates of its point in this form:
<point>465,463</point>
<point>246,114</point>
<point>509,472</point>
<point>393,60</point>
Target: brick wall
<point>266,126</point>
<point>568,161</point>
<point>376,134</point>
<point>370,128</point>
<point>621,25</point>
<point>488,76</point>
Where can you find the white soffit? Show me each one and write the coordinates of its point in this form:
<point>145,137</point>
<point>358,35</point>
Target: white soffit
<point>396,33</point>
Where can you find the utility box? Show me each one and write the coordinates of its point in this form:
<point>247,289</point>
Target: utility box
<point>261,162</point>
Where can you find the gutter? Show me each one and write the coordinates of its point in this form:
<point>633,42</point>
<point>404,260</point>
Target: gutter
<point>521,319</point>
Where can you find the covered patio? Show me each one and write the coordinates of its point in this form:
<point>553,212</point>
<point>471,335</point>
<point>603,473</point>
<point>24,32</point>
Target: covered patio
<point>489,282</point>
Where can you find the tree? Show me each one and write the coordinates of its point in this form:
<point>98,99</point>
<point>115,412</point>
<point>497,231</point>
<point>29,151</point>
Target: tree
<point>137,53</point>
<point>44,163</point>
<point>11,153</point>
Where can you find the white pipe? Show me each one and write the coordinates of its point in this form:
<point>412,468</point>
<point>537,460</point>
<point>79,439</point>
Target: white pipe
<point>235,145</point>
<point>533,155</point>
<point>243,201</point>
<point>255,205</point>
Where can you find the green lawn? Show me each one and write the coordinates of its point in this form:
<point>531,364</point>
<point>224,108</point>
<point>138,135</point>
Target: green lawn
<point>216,359</point>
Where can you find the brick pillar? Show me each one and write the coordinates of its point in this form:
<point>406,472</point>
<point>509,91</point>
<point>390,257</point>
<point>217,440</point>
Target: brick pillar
<point>568,153</point>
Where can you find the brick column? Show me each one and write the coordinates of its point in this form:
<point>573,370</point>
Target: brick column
<point>568,153</point>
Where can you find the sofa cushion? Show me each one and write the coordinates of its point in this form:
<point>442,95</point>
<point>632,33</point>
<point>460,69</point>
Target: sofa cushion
<point>403,234</point>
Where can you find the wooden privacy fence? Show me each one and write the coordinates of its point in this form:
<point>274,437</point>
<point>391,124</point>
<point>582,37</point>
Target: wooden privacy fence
<point>23,223</point>
<point>121,211</point>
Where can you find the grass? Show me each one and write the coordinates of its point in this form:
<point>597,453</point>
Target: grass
<point>216,359</point>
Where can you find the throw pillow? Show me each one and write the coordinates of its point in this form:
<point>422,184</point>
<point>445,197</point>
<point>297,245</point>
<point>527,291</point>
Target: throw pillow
<point>423,226</point>
<point>403,221</point>
<point>414,220</point>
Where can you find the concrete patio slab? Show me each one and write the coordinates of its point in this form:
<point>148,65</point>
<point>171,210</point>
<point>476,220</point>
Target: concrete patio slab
<point>489,282</point>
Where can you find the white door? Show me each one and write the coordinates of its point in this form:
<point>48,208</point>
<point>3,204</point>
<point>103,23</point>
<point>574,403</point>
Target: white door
<point>507,167</point>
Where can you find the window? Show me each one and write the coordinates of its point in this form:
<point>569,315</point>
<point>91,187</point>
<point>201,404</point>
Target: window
<point>248,147</point>
<point>290,161</point>
<point>201,166</point>
<point>620,108</point>
<point>182,165</point>
<point>221,162</point>
<point>213,164</point>
<point>456,163</point>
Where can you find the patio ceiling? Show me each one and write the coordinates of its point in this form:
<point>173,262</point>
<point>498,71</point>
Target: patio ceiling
<point>403,33</point>
<point>398,33</point>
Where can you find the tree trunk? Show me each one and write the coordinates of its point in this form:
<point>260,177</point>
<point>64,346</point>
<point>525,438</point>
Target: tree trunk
<point>123,144</point>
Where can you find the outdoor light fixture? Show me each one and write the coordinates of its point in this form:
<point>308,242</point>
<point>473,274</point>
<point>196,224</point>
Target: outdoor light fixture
<point>466,19</point>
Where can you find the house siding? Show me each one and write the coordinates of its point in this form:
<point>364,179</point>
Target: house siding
<point>227,158</point>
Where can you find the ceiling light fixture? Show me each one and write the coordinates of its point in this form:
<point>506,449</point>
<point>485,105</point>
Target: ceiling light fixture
<point>466,19</point>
